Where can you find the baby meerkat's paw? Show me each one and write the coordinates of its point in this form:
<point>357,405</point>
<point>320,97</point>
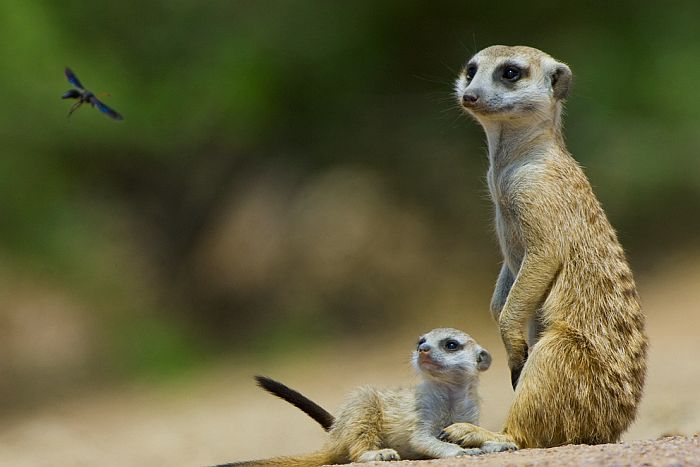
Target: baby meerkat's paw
<point>469,452</point>
<point>379,455</point>
<point>447,450</point>
<point>498,446</point>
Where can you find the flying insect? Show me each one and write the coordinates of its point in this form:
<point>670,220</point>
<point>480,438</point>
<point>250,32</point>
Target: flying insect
<point>84,96</point>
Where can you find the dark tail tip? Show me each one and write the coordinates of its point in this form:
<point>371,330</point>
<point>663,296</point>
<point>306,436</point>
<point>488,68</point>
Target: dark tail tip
<point>303,403</point>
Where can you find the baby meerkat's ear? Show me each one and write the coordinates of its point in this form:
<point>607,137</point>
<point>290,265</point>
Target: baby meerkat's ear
<point>560,76</point>
<point>483,359</point>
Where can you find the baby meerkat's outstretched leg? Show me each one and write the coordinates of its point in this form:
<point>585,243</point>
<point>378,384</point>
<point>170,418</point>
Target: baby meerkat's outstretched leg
<point>472,436</point>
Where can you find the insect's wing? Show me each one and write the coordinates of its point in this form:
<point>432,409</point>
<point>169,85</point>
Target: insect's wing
<point>72,79</point>
<point>72,94</point>
<point>104,109</point>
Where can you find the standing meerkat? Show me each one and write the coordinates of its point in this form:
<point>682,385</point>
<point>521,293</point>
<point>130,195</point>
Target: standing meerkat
<point>578,374</point>
<point>382,424</point>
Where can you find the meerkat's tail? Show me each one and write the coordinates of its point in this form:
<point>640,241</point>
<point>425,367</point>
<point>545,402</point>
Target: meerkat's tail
<point>316,459</point>
<point>303,403</point>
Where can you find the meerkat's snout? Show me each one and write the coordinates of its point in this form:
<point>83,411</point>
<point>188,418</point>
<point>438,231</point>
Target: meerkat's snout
<point>423,356</point>
<point>423,348</point>
<point>469,98</point>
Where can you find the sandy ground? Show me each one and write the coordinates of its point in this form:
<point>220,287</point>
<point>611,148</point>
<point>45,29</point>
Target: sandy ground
<point>219,416</point>
<point>672,452</point>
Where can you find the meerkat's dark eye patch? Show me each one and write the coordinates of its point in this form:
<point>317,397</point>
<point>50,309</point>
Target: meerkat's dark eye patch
<point>510,72</point>
<point>470,71</point>
<point>452,345</point>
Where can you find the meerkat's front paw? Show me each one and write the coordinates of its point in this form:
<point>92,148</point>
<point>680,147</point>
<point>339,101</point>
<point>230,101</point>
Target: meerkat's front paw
<point>379,455</point>
<point>463,434</point>
<point>472,436</point>
<point>498,446</point>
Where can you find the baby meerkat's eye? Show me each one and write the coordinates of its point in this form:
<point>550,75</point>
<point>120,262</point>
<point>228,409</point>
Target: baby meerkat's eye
<point>452,345</point>
<point>471,71</point>
<point>511,73</point>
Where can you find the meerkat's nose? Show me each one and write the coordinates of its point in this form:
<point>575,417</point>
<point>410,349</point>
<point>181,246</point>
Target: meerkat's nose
<point>424,348</point>
<point>470,98</point>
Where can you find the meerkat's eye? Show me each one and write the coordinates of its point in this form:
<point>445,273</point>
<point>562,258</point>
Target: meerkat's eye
<point>511,73</point>
<point>452,345</point>
<point>471,71</point>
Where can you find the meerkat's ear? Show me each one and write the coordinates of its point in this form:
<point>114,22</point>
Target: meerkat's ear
<point>483,359</point>
<point>560,76</point>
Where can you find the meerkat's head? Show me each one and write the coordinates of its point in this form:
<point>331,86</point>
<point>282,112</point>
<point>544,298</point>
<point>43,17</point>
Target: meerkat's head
<point>512,83</point>
<point>449,355</point>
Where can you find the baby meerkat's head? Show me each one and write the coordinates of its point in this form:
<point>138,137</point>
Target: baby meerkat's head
<point>510,83</point>
<point>449,355</point>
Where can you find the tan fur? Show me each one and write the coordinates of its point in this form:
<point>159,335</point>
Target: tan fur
<point>392,424</point>
<point>581,370</point>
<point>310,460</point>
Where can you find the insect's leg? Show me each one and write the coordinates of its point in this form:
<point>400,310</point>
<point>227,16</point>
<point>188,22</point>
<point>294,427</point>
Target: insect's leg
<point>74,107</point>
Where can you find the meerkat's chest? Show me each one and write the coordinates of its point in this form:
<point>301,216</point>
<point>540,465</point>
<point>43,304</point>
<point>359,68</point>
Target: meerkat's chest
<point>440,412</point>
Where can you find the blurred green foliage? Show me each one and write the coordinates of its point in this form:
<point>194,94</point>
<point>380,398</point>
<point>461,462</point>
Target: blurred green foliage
<point>320,139</point>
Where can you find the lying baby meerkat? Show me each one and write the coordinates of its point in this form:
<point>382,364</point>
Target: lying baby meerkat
<point>383,424</point>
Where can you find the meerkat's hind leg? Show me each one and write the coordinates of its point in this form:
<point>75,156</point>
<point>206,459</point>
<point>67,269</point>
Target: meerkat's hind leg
<point>362,425</point>
<point>468,435</point>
